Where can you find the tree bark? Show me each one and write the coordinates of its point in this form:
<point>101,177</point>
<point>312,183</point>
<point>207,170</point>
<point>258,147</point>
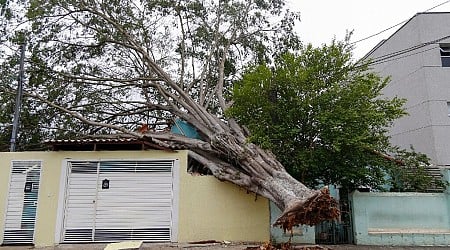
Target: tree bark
<point>225,150</point>
<point>258,171</point>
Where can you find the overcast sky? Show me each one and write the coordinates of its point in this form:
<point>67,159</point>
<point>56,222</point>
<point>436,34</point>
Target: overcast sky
<point>321,20</point>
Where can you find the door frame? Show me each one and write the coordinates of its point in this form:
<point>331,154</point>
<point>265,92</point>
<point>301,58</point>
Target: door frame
<point>63,191</point>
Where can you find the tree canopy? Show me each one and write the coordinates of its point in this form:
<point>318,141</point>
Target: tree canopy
<point>89,56</point>
<point>107,67</point>
<point>113,65</point>
<point>325,118</point>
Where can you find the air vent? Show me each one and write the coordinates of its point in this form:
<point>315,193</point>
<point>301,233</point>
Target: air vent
<point>18,237</point>
<point>77,235</point>
<point>84,167</point>
<point>135,166</point>
<point>144,234</point>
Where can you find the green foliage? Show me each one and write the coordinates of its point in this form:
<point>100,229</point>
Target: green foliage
<point>30,134</point>
<point>38,121</point>
<point>413,174</point>
<point>88,56</point>
<point>322,115</point>
<point>317,110</point>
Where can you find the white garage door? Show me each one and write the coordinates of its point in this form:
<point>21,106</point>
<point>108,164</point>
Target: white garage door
<point>110,201</point>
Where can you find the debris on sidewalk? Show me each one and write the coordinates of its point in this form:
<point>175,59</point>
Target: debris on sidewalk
<point>124,245</point>
<point>204,242</point>
<point>286,246</point>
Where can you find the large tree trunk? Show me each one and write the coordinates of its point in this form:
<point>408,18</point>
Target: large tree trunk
<point>225,150</point>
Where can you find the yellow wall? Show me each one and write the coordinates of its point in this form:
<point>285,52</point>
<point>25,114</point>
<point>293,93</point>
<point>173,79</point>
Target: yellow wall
<point>214,210</point>
<point>208,209</point>
<point>4,182</point>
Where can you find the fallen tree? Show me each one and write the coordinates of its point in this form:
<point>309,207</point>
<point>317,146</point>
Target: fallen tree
<point>115,64</point>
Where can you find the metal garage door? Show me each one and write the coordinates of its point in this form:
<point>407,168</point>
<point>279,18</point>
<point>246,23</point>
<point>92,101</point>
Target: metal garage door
<point>118,200</point>
<point>22,202</point>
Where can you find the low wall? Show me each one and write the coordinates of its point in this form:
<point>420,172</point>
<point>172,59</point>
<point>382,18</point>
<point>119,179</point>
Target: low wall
<point>408,219</point>
<point>303,234</point>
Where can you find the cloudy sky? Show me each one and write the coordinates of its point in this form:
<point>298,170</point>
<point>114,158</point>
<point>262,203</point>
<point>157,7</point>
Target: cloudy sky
<point>321,20</point>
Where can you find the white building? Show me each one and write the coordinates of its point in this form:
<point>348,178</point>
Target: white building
<point>417,57</point>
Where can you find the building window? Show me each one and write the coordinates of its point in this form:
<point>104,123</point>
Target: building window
<point>445,55</point>
<point>448,108</point>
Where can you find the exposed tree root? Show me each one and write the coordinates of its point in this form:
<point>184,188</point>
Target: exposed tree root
<point>318,208</point>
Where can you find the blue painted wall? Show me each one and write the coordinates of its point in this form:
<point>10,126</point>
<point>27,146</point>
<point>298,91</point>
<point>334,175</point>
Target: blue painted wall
<point>184,128</point>
<point>414,219</point>
<point>302,234</point>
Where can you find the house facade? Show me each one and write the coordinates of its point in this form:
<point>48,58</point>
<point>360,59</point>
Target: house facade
<point>417,59</point>
<point>50,198</point>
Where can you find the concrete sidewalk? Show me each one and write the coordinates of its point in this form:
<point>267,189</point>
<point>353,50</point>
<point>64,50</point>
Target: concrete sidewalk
<point>215,246</point>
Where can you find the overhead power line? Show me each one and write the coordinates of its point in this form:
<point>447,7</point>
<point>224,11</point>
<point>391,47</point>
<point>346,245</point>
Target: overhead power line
<point>396,55</point>
<point>407,50</point>
<point>399,57</point>
<point>400,23</point>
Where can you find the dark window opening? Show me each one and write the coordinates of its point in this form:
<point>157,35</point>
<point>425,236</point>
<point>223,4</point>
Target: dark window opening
<point>448,108</point>
<point>196,168</point>
<point>445,55</point>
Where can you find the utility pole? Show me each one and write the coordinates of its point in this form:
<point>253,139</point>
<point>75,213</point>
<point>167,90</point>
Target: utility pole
<point>18,105</point>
